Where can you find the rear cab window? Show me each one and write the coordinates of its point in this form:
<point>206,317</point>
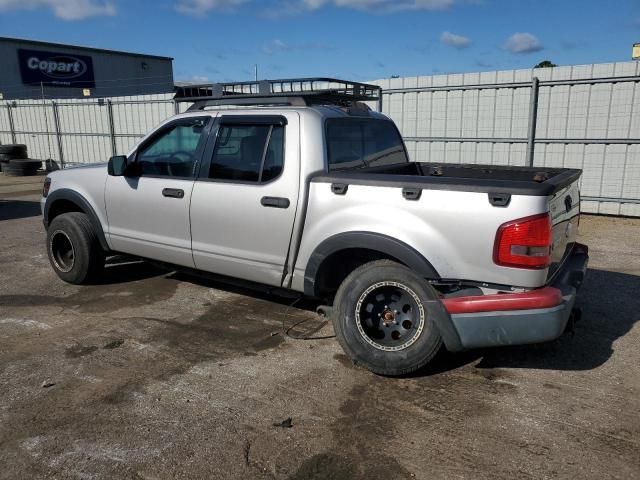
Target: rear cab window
<point>247,152</point>
<point>354,143</point>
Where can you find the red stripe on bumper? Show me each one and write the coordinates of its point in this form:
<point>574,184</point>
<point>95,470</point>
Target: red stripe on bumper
<point>546,297</point>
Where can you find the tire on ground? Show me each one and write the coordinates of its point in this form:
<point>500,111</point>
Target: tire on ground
<point>21,167</point>
<point>358,292</point>
<point>73,249</point>
<point>14,150</point>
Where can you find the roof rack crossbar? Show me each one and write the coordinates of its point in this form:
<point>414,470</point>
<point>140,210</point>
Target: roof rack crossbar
<point>298,92</point>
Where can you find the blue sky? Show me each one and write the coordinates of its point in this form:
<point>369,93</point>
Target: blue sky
<point>356,39</point>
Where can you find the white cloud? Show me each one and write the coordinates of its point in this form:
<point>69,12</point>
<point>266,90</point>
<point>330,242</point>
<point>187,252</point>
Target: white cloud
<point>523,43</point>
<point>279,8</point>
<point>279,46</point>
<point>200,8</point>
<point>455,41</point>
<point>381,5</point>
<point>64,9</point>
<point>275,46</point>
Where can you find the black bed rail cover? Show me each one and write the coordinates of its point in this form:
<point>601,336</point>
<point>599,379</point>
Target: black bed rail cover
<point>536,181</point>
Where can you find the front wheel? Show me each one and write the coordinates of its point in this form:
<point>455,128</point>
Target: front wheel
<point>73,248</point>
<point>381,320</point>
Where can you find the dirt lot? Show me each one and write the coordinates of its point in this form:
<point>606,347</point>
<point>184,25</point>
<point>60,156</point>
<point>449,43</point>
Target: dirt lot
<point>158,375</point>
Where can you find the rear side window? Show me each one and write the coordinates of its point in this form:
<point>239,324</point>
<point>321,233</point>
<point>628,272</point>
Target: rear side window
<point>357,143</point>
<point>248,153</point>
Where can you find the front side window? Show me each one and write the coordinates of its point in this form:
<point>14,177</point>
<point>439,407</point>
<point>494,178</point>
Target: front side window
<point>356,143</point>
<point>172,153</point>
<point>248,153</point>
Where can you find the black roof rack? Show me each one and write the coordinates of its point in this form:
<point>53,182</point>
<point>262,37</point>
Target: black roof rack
<point>295,92</point>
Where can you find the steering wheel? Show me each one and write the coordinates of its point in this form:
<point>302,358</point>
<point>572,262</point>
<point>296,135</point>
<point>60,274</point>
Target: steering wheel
<point>177,154</point>
<point>175,163</point>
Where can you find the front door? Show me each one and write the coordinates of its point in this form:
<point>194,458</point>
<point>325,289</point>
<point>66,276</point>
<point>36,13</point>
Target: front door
<point>244,201</point>
<point>148,214</point>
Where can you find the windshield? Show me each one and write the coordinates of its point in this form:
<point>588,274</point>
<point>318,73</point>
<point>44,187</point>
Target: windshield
<point>357,143</point>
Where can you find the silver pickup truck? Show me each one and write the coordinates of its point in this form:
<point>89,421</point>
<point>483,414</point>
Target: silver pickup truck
<point>307,189</point>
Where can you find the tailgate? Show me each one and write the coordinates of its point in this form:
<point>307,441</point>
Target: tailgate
<point>564,207</point>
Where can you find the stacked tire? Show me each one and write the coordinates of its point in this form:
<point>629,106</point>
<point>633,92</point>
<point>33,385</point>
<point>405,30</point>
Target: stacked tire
<point>15,162</point>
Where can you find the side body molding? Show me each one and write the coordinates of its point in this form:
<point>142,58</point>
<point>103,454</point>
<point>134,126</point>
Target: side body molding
<point>74,197</point>
<point>373,241</point>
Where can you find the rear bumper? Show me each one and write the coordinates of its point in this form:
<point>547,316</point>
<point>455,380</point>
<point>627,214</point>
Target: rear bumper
<point>520,318</point>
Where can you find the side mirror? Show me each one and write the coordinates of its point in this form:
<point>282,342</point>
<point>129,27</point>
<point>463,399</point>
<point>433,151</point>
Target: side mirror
<point>117,166</point>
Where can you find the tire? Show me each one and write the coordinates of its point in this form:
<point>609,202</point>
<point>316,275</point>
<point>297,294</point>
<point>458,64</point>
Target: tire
<point>15,150</point>
<point>402,338</point>
<point>73,249</point>
<point>26,162</point>
<point>21,167</point>
<point>12,171</point>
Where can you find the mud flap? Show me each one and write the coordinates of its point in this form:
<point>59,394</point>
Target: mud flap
<point>435,310</point>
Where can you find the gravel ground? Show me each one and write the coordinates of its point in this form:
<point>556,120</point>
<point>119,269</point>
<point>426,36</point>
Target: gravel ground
<point>159,375</point>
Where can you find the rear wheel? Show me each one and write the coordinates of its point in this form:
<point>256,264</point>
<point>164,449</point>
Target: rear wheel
<point>73,248</point>
<point>381,321</point>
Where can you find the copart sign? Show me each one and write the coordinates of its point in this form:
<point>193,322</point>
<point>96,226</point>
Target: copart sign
<point>56,69</point>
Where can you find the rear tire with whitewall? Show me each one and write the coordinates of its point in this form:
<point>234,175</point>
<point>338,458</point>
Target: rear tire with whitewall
<point>74,250</point>
<point>381,320</point>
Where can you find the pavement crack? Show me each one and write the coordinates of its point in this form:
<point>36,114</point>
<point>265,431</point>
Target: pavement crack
<point>246,452</point>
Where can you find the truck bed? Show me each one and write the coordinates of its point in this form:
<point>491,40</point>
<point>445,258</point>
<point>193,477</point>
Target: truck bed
<point>515,180</point>
<point>451,212</point>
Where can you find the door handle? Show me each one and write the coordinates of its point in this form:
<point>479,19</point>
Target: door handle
<point>411,193</point>
<point>275,202</point>
<point>339,188</point>
<point>173,192</point>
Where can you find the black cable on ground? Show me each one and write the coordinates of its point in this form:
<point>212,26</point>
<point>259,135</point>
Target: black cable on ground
<point>286,331</point>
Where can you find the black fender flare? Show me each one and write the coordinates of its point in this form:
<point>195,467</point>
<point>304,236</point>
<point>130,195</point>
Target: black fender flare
<point>394,248</point>
<point>374,241</point>
<point>84,205</point>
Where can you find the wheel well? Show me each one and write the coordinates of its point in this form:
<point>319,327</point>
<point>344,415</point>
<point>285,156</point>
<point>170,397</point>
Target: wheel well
<point>65,201</point>
<point>337,266</point>
<point>62,206</point>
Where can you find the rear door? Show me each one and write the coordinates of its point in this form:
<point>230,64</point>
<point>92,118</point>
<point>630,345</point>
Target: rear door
<point>148,214</point>
<point>244,200</point>
<point>564,207</point>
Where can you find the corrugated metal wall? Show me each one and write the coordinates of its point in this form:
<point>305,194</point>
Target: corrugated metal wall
<point>79,131</point>
<point>594,126</point>
<point>470,118</point>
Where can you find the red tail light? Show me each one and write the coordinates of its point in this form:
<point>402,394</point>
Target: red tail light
<point>45,186</point>
<point>524,243</point>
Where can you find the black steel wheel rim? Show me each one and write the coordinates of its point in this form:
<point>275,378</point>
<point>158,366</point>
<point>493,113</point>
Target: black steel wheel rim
<point>389,316</point>
<point>62,251</point>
